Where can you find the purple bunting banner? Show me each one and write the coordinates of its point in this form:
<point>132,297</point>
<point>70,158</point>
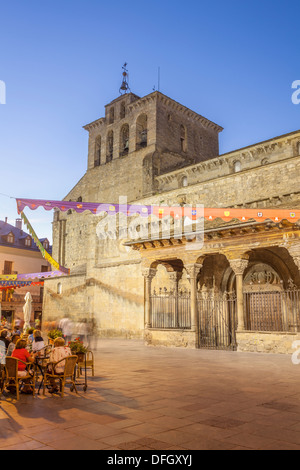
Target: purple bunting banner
<point>177,212</point>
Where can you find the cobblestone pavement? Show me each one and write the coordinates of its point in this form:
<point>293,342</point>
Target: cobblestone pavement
<point>164,399</point>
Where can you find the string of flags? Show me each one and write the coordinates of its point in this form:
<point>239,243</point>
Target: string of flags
<point>4,285</point>
<point>160,211</point>
<point>29,277</point>
<point>194,213</point>
<point>13,281</point>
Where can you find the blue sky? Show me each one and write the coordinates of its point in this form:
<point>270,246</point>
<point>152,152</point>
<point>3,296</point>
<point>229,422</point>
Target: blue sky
<point>233,62</point>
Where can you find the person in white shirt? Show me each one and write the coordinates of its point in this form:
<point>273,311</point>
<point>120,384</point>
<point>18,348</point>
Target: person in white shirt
<point>59,351</point>
<point>38,343</point>
<point>66,326</point>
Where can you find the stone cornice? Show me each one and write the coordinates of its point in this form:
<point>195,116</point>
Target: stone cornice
<point>212,164</point>
<point>94,124</point>
<point>156,95</point>
<point>204,121</point>
<point>224,234</point>
<point>263,145</point>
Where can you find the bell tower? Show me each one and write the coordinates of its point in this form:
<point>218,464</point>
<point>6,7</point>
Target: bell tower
<point>140,139</point>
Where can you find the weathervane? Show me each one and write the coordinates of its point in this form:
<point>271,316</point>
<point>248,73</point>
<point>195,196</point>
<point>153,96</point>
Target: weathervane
<point>124,86</point>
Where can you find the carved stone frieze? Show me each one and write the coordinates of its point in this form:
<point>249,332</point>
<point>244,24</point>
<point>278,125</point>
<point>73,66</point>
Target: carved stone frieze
<point>263,277</point>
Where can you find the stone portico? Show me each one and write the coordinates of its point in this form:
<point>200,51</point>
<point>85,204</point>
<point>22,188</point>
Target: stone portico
<point>252,267</point>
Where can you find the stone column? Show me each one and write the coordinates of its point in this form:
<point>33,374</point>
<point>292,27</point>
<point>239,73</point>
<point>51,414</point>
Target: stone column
<point>239,266</point>
<point>193,271</point>
<point>148,274</point>
<point>175,277</point>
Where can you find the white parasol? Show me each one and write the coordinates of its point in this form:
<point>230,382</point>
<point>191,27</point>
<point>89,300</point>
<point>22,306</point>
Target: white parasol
<point>27,311</point>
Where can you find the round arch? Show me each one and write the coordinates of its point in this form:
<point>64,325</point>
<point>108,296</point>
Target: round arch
<point>271,266</point>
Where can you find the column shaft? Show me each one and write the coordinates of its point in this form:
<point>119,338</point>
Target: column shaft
<point>148,276</point>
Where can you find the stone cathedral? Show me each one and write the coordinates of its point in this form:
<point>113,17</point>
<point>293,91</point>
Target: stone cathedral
<point>239,290</point>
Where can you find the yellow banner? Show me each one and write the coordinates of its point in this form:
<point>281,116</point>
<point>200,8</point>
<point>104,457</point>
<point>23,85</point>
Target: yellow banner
<point>45,254</point>
<point>8,277</point>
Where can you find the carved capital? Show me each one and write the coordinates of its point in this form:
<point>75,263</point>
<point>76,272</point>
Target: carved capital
<point>238,265</point>
<point>193,270</point>
<point>148,273</point>
<point>175,276</point>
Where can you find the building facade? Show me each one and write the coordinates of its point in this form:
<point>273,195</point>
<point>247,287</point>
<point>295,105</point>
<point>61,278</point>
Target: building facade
<point>20,255</point>
<point>237,289</point>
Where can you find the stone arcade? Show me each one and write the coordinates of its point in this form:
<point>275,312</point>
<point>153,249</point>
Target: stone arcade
<point>239,291</point>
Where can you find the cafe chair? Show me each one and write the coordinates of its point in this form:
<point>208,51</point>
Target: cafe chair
<point>69,373</point>
<point>12,377</point>
<point>89,364</point>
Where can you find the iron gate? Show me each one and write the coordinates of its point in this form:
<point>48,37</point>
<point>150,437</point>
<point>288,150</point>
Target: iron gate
<point>217,321</point>
<point>273,311</point>
<point>170,309</point>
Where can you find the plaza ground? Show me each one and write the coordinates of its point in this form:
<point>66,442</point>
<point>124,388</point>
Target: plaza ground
<point>146,398</point>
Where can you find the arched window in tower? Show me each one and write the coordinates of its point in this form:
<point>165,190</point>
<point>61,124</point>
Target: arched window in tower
<point>97,159</point>
<point>122,110</point>
<point>141,132</point>
<point>109,146</point>
<point>298,148</point>
<point>111,115</point>
<point>183,139</point>
<point>124,140</point>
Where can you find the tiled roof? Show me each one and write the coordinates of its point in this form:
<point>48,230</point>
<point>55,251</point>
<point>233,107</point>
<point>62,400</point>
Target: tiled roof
<point>19,238</point>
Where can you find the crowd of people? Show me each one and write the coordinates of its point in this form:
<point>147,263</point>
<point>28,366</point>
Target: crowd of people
<point>84,329</point>
<point>9,339</point>
<point>28,348</point>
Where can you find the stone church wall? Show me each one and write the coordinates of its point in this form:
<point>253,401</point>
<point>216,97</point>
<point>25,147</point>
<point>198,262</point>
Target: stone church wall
<point>118,303</point>
<point>106,281</point>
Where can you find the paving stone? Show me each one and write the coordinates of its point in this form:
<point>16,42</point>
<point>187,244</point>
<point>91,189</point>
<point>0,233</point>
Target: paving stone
<point>208,400</point>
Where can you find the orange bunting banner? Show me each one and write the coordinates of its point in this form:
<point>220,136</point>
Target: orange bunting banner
<point>177,212</point>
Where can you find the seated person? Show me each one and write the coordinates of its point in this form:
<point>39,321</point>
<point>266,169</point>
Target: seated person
<point>30,335</point>
<point>38,343</point>
<point>16,327</point>
<point>59,351</point>
<point>4,338</point>
<point>20,352</point>
<point>12,344</point>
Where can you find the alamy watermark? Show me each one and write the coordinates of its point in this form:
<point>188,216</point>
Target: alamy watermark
<point>296,94</point>
<point>2,92</point>
<point>296,354</point>
<point>151,223</point>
